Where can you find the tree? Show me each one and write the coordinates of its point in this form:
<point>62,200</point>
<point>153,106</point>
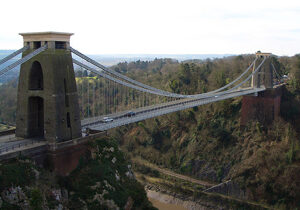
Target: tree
<point>185,73</point>
<point>36,200</point>
<point>85,73</point>
<point>220,78</point>
<point>175,85</point>
<point>91,74</point>
<point>295,73</point>
<point>78,73</point>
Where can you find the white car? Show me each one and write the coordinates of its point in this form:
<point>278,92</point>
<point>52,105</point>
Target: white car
<point>107,119</point>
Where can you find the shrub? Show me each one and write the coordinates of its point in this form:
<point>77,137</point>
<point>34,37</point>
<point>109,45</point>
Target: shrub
<point>36,199</point>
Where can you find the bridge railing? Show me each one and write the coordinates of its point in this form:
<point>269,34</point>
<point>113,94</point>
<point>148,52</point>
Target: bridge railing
<point>18,145</point>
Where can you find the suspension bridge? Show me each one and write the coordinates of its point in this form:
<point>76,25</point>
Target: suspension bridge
<point>55,107</point>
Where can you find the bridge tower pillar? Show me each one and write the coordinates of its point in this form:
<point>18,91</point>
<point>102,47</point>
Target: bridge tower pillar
<point>47,106</point>
<point>265,75</point>
<point>263,107</point>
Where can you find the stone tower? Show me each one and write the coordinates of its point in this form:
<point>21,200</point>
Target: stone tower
<point>47,96</point>
<point>265,75</point>
<point>263,107</point>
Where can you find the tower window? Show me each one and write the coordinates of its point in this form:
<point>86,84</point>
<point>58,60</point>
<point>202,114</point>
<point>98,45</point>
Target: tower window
<point>36,45</point>
<point>60,45</point>
<point>36,77</point>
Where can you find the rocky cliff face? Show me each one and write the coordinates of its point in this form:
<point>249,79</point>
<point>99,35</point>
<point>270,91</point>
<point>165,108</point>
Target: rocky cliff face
<point>102,180</point>
<point>209,143</point>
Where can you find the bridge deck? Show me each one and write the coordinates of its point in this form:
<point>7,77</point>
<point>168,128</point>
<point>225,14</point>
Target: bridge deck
<point>160,109</point>
<point>11,143</point>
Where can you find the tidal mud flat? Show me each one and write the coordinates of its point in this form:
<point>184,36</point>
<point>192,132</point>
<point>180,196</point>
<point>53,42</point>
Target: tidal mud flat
<point>170,202</point>
<point>162,198</point>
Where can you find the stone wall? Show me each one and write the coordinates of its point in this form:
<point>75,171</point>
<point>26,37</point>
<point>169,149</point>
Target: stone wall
<point>65,160</point>
<point>65,156</point>
<point>58,117</point>
<point>8,132</point>
<point>263,108</point>
<point>60,157</point>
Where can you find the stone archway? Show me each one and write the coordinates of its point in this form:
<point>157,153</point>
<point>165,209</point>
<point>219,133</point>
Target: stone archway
<point>36,117</point>
<point>36,80</point>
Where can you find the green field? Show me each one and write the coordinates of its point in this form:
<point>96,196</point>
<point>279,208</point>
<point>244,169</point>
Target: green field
<point>5,127</point>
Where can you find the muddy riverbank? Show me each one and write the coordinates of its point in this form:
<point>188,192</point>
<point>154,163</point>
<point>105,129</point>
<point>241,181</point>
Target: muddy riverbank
<point>164,199</point>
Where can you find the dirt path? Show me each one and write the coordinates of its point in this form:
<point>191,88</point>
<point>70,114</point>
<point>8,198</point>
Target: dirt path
<point>171,173</point>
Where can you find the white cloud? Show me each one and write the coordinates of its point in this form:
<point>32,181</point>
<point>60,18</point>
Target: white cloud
<point>169,26</point>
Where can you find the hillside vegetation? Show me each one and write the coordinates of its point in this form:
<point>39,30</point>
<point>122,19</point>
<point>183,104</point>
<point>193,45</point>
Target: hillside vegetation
<point>102,180</point>
<point>208,143</point>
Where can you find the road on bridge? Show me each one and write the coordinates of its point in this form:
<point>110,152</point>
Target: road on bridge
<point>10,143</point>
<point>157,110</point>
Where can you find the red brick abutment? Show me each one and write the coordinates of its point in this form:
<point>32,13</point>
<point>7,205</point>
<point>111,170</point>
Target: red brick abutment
<point>61,157</point>
<point>264,108</point>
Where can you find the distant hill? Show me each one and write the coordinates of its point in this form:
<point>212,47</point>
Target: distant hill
<point>12,74</point>
<point>112,59</point>
<point>4,53</point>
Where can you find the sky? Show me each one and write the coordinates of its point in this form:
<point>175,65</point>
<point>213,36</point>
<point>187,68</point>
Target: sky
<point>159,26</point>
